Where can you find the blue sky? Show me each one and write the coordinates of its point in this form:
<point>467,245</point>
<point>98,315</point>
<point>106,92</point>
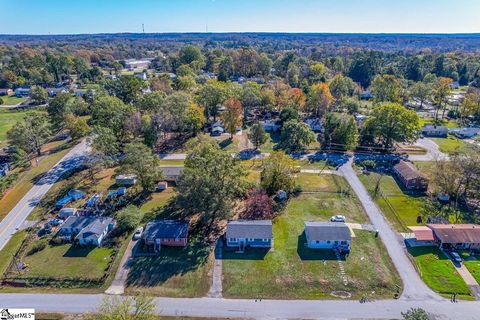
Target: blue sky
<point>363,16</point>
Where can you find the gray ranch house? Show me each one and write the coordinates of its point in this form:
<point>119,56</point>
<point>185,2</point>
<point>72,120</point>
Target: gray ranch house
<point>328,235</point>
<point>249,233</point>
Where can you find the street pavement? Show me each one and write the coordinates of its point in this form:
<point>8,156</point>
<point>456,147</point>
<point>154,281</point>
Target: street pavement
<point>15,218</point>
<point>413,286</point>
<point>243,308</point>
<point>433,152</point>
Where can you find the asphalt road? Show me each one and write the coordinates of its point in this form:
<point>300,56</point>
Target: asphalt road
<point>15,218</point>
<point>414,287</point>
<point>266,309</point>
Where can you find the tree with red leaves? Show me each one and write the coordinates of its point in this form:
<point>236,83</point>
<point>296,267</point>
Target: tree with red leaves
<point>258,205</point>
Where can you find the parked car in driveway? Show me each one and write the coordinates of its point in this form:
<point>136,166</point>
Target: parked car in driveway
<point>456,257</point>
<point>337,218</point>
<point>55,222</point>
<point>138,233</point>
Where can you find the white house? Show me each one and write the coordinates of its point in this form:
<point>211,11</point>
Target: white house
<point>328,235</point>
<point>249,233</point>
<point>95,232</point>
<point>125,180</point>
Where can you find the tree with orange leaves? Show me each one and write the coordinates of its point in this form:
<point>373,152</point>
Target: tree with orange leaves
<point>232,117</point>
<point>293,98</point>
<point>319,99</point>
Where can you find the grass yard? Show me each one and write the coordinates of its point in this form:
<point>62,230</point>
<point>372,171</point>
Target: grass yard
<point>438,272</point>
<point>449,145</point>
<point>12,100</point>
<point>426,167</point>
<point>400,209</point>
<point>8,118</point>
<point>10,248</point>
<point>472,264</point>
<point>67,261</point>
<point>157,200</point>
<point>26,181</point>
<point>176,272</point>
<point>291,271</point>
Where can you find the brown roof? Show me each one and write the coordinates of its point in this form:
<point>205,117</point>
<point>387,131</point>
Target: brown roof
<point>407,170</point>
<point>456,233</point>
<point>422,233</point>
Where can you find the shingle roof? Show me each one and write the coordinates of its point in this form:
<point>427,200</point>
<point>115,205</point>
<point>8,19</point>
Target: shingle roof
<point>422,233</point>
<point>456,233</point>
<point>95,228</point>
<point>171,170</point>
<point>166,229</point>
<point>322,231</point>
<point>76,222</point>
<point>407,170</point>
<point>255,229</point>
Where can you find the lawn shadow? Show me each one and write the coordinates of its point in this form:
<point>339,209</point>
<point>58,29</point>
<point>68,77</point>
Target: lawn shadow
<point>171,262</point>
<point>248,254</point>
<point>76,251</point>
<point>306,253</point>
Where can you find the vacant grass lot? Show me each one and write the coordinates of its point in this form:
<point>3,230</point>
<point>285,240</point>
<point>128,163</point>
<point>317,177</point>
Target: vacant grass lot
<point>438,272</point>
<point>67,261</point>
<point>8,118</point>
<point>400,209</point>
<point>449,145</point>
<point>26,181</point>
<point>12,100</point>
<point>291,271</point>
<point>10,248</point>
<point>175,272</point>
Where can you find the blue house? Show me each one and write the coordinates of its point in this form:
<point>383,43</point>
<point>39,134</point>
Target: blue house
<point>249,233</point>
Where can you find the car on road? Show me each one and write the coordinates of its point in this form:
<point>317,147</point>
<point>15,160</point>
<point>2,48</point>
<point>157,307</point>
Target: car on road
<point>138,233</point>
<point>456,257</point>
<point>338,218</point>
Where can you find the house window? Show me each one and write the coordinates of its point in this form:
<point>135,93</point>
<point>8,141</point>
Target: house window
<point>317,241</point>
<point>233,240</point>
<point>344,242</point>
<point>328,241</point>
<point>335,242</point>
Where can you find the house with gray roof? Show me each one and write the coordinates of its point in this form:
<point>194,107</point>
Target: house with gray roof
<point>249,233</point>
<point>430,130</point>
<point>95,232</point>
<point>328,235</point>
<point>171,173</point>
<point>73,225</point>
<point>172,233</point>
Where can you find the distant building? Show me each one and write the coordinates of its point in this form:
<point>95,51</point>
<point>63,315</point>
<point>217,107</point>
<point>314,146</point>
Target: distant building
<point>315,124</point>
<point>249,233</point>
<point>171,173</point>
<point>126,180</point>
<point>457,236</point>
<point>22,92</point>
<point>270,125</point>
<point>137,64</point>
<point>173,233</point>
<point>465,133</point>
<point>430,130</point>
<point>410,176</point>
<point>328,235</point>
<point>6,92</point>
<point>141,75</point>
<point>53,92</point>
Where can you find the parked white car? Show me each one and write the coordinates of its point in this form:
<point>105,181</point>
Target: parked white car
<point>337,218</point>
<point>138,233</point>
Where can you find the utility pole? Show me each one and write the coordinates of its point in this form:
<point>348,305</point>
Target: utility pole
<point>143,27</point>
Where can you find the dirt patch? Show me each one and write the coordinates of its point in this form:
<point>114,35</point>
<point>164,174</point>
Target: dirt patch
<point>341,294</point>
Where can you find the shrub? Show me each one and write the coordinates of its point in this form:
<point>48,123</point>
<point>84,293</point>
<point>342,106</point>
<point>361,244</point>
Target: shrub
<point>38,246</point>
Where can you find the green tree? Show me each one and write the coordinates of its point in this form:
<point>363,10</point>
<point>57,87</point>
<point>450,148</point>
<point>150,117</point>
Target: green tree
<point>105,142</point>
<point>441,90</point>
<point>192,56</point>
<point>30,133</point>
<point>341,87</point>
<point>386,88</point>
<point>296,136</point>
<point>195,119</point>
<point>129,218</point>
<point>289,114</point>
<point>78,126</point>
<point>416,314</point>
<point>422,92</point>
<point>278,173</point>
<point>38,95</point>
<point>225,69</point>
<point>112,113</point>
<point>140,307</point>
<point>340,131</point>
<point>391,123</point>
<point>140,160</point>
<point>127,88</point>
<point>210,181</point>
<point>257,135</point>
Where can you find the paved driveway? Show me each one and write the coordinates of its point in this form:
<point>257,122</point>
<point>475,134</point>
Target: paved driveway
<point>414,287</point>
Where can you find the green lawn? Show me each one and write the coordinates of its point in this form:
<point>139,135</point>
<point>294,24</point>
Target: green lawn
<point>12,100</point>
<point>8,118</point>
<point>291,271</point>
<point>176,272</point>
<point>400,209</point>
<point>438,272</point>
<point>472,264</point>
<point>449,145</point>
<point>157,200</point>
<point>10,248</point>
<point>67,261</point>
<point>26,181</point>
